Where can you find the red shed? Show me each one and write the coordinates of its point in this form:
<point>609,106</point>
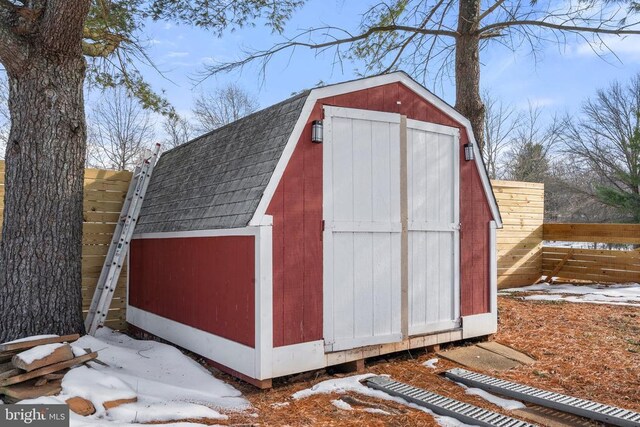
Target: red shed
<point>270,254</point>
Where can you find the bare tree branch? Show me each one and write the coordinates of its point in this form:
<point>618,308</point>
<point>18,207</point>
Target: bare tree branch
<point>562,27</point>
<point>412,36</point>
<point>487,12</point>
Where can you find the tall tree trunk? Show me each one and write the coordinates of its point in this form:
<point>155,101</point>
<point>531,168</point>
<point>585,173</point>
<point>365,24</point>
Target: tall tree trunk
<point>40,254</point>
<point>468,100</point>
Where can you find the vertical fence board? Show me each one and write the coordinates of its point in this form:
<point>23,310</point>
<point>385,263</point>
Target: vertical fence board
<point>104,194</point>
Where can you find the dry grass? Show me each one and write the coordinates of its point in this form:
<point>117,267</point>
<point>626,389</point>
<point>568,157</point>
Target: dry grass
<point>591,351</point>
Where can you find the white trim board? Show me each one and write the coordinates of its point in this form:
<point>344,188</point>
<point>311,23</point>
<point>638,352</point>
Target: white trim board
<point>244,231</point>
<point>479,325</point>
<point>356,85</point>
<point>229,353</point>
<point>296,358</point>
<point>263,314</point>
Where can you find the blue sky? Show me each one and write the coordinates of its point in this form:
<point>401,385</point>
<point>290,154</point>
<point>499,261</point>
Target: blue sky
<point>559,81</point>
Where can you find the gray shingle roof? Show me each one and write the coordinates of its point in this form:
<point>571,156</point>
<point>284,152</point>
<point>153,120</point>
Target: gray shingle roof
<point>217,180</point>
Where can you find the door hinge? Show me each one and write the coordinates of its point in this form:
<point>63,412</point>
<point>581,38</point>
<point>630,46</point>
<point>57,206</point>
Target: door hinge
<point>328,346</point>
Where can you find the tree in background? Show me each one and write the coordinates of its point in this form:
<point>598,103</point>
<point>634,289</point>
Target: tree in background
<point>48,48</point>
<point>120,131</point>
<point>177,130</point>
<point>222,106</point>
<point>528,158</point>
<point>500,124</point>
<point>441,38</point>
<point>606,140</point>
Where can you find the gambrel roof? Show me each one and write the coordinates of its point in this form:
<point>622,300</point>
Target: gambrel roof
<point>217,180</point>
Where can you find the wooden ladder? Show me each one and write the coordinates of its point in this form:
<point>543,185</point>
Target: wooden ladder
<point>120,244</point>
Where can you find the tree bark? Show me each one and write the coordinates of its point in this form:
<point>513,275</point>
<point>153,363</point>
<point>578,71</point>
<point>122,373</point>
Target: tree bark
<point>40,254</point>
<point>467,66</point>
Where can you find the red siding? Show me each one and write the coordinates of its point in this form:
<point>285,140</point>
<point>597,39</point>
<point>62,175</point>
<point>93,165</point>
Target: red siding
<point>297,246</point>
<point>297,211</point>
<point>204,282</point>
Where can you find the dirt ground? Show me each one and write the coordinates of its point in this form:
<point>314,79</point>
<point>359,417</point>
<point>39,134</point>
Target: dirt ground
<point>586,350</point>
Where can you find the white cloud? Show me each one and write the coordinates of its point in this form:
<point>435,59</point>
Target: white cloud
<point>626,48</point>
<point>177,54</point>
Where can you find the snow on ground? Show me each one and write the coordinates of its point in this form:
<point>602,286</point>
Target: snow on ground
<point>341,404</point>
<point>79,421</point>
<point>507,404</point>
<point>169,385</point>
<point>279,404</point>
<point>352,384</point>
<point>377,411</point>
<point>39,352</point>
<point>160,371</point>
<point>622,294</point>
<point>431,363</point>
<point>95,386</point>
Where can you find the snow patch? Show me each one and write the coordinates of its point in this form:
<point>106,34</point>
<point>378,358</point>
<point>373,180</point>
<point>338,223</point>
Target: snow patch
<point>341,404</point>
<point>431,363</point>
<point>508,404</point>
<point>377,411</point>
<point>78,351</point>
<point>279,404</point>
<point>352,384</point>
<point>169,386</point>
<point>38,352</point>
<point>141,412</point>
<point>95,386</point>
<point>160,372</point>
<point>621,294</point>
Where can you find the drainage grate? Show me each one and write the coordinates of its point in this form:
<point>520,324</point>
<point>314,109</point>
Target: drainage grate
<point>573,405</point>
<point>441,405</point>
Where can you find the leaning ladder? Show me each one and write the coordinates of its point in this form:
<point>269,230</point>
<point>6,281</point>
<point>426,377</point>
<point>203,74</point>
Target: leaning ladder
<point>120,244</point>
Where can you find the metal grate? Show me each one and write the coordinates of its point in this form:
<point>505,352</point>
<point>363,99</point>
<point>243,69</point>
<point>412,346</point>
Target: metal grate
<point>573,405</point>
<point>441,405</point>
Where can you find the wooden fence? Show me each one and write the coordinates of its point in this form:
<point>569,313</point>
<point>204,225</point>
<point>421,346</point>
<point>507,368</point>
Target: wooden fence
<point>594,265</point>
<point>104,194</point>
<point>519,242</point>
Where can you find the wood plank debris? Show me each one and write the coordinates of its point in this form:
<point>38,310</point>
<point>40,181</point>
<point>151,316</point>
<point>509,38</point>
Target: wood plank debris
<point>35,367</point>
<point>58,354</point>
<point>24,345</point>
<point>30,390</point>
<point>48,369</point>
<point>81,406</point>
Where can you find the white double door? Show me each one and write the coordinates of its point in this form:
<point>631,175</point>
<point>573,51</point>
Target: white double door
<point>365,248</point>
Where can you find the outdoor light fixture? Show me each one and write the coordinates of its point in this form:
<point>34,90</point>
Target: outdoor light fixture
<point>468,152</point>
<point>316,131</point>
